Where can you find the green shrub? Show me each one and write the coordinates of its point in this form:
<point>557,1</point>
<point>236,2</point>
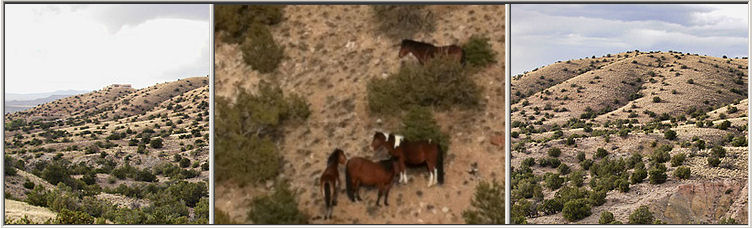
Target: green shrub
<point>657,174</point>
<point>403,21</point>
<point>661,154</point>
<point>553,181</point>
<point>236,19</point>
<point>639,175</point>
<point>279,207</point>
<point>259,49</point>
<point>202,211</point>
<point>528,162</point>
<point>597,198</point>
<point>66,216</point>
<point>9,169</point>
<point>714,161</point>
<point>570,140</point>
<point>478,52</point>
<point>656,99</point>
<point>580,156</point>
<point>623,185</point>
<point>554,152</point>
<point>669,134</point>
<point>252,159</point>
<point>575,210</point>
<point>55,173</point>
<point>724,125</point>
<point>38,196</point>
<point>718,151</point>
<point>441,83</point>
<point>586,164</point>
<point>606,218</point>
<point>682,172</point>
<point>739,141</point>
<point>641,216</point>
<point>576,178</point>
<point>487,204</point>
<point>601,153</point>
<point>419,124</point>
<point>563,169</point>
<point>28,184</point>
<point>156,143</point>
<point>551,206</point>
<point>678,159</point>
<point>522,208</point>
<point>185,162</point>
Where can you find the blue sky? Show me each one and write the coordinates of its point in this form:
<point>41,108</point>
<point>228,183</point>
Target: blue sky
<point>544,34</point>
<point>52,47</point>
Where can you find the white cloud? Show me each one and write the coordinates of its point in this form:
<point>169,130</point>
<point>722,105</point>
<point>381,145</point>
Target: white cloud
<point>55,47</point>
<point>544,34</point>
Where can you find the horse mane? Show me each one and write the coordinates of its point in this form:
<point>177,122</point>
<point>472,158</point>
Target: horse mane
<point>333,158</point>
<point>388,164</point>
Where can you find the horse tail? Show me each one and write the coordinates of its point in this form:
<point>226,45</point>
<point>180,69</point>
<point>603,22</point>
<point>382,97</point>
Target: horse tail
<point>348,183</point>
<point>462,56</point>
<point>328,194</point>
<point>440,165</point>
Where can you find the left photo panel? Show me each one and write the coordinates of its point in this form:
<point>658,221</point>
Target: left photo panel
<point>106,114</point>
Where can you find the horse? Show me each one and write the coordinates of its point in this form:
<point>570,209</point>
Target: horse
<point>330,180</point>
<point>414,153</point>
<point>360,171</point>
<point>425,51</point>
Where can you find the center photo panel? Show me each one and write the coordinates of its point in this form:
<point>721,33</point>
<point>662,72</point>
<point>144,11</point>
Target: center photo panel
<point>359,114</point>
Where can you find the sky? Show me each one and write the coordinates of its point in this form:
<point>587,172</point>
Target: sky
<point>544,34</point>
<point>52,47</point>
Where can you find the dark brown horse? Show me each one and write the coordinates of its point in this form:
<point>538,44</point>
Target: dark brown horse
<point>330,180</point>
<point>413,153</point>
<point>360,171</point>
<point>425,51</point>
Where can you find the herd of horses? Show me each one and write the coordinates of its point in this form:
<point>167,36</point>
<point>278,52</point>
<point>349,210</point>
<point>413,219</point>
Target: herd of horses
<point>381,174</point>
<point>403,153</point>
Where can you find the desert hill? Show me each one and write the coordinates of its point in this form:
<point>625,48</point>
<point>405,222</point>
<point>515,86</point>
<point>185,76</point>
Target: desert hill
<point>117,146</point>
<point>331,52</point>
<point>633,107</point>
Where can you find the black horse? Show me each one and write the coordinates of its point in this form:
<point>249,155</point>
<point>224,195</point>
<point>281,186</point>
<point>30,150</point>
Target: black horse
<point>425,51</point>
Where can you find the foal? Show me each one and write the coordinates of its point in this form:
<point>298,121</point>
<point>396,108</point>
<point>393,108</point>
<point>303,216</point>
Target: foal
<point>330,180</point>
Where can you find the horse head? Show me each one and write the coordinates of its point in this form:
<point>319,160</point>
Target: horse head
<point>379,141</point>
<point>404,49</point>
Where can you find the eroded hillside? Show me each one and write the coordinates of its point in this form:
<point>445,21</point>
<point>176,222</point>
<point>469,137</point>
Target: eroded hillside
<point>116,155</point>
<point>666,130</point>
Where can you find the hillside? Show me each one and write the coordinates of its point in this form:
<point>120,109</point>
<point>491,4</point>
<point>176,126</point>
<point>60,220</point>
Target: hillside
<point>113,151</point>
<point>621,109</point>
<point>331,53</point>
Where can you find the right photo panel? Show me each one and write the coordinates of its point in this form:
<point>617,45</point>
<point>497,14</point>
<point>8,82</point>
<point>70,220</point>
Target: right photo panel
<point>629,114</point>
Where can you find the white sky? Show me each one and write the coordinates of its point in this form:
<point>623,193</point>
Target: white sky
<point>544,34</point>
<point>86,47</point>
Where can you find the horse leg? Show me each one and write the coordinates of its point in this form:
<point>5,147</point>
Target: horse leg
<point>403,172</point>
<point>431,175</point>
<point>386,196</point>
<point>356,190</point>
<point>378,198</point>
<point>336,191</point>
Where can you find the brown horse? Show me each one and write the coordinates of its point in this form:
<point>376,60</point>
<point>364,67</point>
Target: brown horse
<point>330,180</point>
<point>360,171</point>
<point>422,152</point>
<point>426,51</point>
